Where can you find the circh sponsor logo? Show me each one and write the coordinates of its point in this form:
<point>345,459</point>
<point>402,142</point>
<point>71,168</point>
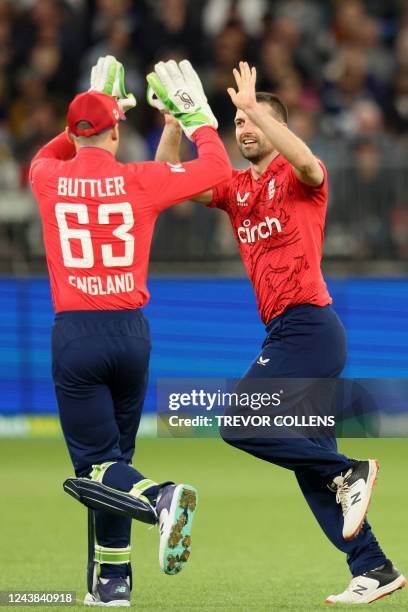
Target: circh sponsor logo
<point>264,229</point>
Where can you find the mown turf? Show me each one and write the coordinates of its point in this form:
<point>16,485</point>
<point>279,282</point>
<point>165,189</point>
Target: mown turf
<point>256,546</point>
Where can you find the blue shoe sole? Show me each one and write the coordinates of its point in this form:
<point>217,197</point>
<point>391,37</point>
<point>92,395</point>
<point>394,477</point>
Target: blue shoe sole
<point>178,547</point>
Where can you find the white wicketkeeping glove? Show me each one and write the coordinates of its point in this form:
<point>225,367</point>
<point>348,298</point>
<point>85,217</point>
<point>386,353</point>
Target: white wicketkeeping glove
<point>190,75</point>
<point>108,76</point>
<point>177,89</point>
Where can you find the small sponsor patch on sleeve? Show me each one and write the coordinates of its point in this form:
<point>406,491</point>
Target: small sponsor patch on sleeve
<point>176,167</point>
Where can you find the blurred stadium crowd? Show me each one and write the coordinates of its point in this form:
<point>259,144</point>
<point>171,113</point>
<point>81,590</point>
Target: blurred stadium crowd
<point>340,66</point>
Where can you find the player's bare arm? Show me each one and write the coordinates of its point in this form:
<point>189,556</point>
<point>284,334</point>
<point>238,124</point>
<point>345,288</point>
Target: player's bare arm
<point>283,140</point>
<point>168,149</point>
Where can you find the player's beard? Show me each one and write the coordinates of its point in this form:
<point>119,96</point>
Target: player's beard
<point>256,153</point>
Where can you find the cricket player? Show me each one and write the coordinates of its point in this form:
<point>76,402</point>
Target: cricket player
<point>277,208</point>
<point>98,217</point>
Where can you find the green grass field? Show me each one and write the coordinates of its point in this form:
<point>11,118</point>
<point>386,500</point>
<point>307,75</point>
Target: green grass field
<point>256,545</point>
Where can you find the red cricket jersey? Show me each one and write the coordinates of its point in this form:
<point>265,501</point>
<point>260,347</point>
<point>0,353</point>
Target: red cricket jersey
<point>98,216</point>
<point>278,222</point>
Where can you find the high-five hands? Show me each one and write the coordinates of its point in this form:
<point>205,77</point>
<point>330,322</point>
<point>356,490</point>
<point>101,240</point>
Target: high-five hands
<point>245,97</point>
<point>177,89</point>
<point>173,89</point>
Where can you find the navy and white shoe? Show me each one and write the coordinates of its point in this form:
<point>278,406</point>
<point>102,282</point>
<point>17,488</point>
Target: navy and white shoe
<point>175,507</point>
<point>109,592</point>
<point>372,585</point>
<point>353,493</point>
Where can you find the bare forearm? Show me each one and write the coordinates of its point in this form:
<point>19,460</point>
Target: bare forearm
<point>289,145</point>
<point>282,139</point>
<point>168,149</point>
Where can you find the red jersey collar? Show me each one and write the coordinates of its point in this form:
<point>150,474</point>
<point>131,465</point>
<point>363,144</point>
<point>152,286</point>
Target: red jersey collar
<point>273,166</point>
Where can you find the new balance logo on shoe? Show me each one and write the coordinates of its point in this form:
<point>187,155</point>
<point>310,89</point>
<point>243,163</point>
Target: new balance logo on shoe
<point>356,498</point>
<point>360,589</point>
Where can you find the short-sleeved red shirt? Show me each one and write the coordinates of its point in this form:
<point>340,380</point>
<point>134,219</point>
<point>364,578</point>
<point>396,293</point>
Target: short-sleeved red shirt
<point>278,222</point>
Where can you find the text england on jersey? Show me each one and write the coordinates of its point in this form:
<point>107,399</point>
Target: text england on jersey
<point>98,285</point>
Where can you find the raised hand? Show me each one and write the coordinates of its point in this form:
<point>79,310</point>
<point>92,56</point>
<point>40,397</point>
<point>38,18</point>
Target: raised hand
<point>108,76</point>
<point>245,78</point>
<point>177,89</point>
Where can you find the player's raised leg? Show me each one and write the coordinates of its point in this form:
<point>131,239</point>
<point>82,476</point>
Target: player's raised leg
<point>174,505</point>
<point>309,342</point>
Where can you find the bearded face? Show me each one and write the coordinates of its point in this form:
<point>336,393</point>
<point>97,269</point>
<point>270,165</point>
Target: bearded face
<point>250,139</point>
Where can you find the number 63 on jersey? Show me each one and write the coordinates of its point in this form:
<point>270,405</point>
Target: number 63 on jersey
<point>84,235</point>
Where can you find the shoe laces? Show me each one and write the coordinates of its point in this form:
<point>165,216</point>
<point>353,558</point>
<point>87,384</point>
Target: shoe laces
<point>342,492</point>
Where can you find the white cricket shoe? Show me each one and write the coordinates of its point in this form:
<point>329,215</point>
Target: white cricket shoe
<point>353,492</point>
<point>372,585</point>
